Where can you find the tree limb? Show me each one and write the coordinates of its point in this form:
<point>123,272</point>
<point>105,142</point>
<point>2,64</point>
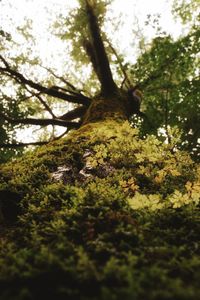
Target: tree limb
<point>45,105</point>
<point>78,98</point>
<point>19,145</point>
<point>38,95</point>
<point>71,86</point>
<point>126,79</point>
<point>5,62</point>
<point>41,122</point>
<point>87,45</point>
<point>74,114</point>
<point>108,85</point>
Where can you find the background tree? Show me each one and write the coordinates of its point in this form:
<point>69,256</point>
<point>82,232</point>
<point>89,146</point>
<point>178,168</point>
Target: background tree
<point>172,94</point>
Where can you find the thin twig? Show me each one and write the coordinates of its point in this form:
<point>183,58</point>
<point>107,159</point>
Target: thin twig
<point>126,79</point>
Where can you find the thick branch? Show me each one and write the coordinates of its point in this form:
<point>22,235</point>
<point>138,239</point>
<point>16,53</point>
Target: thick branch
<point>77,98</point>
<point>92,57</point>
<point>49,91</point>
<point>19,145</point>
<point>74,114</point>
<point>108,85</point>
<point>41,122</point>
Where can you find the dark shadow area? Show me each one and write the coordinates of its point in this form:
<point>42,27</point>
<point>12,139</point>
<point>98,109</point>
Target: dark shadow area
<point>9,206</point>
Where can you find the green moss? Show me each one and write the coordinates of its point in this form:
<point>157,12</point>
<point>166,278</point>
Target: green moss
<point>101,110</point>
<point>103,215</point>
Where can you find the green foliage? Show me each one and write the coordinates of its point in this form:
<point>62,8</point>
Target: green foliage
<point>188,11</point>
<point>171,95</point>
<point>75,28</point>
<point>99,219</point>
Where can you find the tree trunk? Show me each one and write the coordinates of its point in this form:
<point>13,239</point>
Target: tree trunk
<point>106,108</point>
<point>66,216</point>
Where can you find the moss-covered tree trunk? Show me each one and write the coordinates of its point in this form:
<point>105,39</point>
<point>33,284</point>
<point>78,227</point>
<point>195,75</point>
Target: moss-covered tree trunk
<point>107,108</point>
<point>101,215</point>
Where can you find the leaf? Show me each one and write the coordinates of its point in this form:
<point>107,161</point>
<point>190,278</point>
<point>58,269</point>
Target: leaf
<point>175,172</point>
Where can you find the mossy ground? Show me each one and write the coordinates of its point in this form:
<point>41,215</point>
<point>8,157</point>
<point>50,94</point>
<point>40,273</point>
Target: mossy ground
<point>101,214</point>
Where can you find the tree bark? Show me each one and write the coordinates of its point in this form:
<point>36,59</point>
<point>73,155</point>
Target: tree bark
<point>103,108</point>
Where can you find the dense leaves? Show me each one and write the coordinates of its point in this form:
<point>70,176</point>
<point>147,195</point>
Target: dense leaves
<point>172,93</point>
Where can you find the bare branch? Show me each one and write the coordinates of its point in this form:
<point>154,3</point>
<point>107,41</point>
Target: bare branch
<point>59,88</point>
<point>20,145</point>
<point>78,98</point>
<point>45,105</point>
<point>108,85</point>
<point>74,114</point>
<point>61,135</point>
<point>38,95</point>
<point>126,79</point>
<point>71,86</point>
<point>5,62</point>
<point>72,89</point>
<point>41,122</point>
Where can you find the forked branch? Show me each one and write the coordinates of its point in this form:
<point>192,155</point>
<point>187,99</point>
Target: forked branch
<point>51,91</point>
